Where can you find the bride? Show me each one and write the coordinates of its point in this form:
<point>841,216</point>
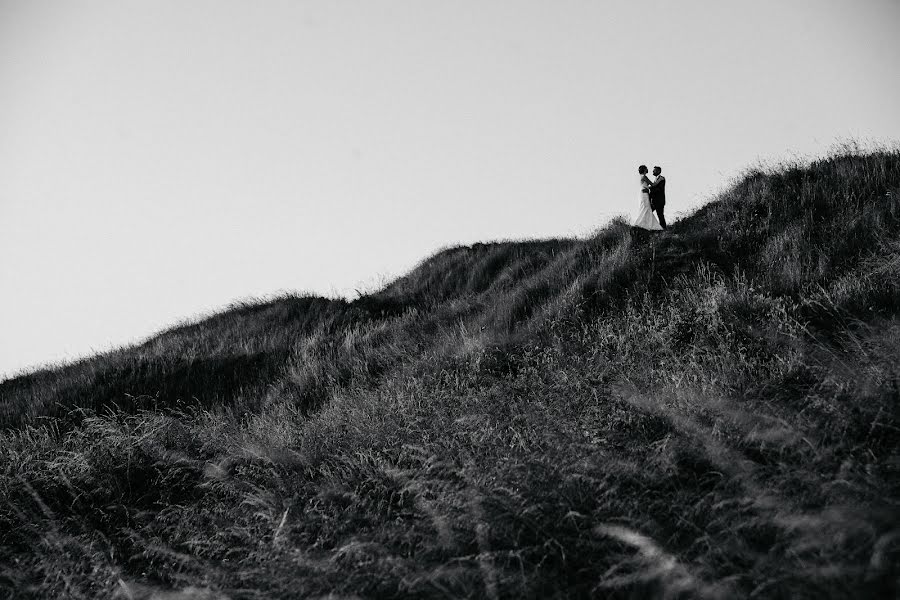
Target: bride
<point>645,218</point>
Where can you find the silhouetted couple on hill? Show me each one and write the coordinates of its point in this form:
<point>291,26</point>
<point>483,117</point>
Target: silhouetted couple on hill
<point>652,198</point>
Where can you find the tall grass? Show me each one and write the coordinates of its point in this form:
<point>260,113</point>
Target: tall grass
<point>711,413</point>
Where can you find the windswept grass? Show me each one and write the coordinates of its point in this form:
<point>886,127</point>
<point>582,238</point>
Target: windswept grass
<point>709,413</point>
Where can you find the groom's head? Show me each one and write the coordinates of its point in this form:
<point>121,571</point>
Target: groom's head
<point>657,171</point>
<point>642,169</point>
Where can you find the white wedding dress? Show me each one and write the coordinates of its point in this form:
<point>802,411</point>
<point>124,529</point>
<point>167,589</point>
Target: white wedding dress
<point>645,218</point>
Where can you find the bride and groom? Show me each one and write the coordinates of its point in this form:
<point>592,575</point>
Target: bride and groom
<point>652,198</point>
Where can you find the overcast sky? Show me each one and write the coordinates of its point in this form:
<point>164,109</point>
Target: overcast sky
<point>160,159</point>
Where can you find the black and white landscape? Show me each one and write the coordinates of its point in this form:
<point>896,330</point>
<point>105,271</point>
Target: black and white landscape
<point>505,379</point>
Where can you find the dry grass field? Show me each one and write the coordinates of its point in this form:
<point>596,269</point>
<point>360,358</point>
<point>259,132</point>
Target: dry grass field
<point>712,412</point>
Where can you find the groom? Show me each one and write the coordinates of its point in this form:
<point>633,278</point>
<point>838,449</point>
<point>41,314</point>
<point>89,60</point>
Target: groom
<point>658,196</point>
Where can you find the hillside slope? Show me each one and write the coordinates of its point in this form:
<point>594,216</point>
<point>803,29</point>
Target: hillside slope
<point>710,412</point>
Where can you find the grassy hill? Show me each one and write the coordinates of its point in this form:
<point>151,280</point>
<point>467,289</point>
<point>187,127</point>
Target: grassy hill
<point>707,413</point>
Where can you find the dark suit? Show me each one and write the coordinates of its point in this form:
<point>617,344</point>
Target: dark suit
<point>658,199</point>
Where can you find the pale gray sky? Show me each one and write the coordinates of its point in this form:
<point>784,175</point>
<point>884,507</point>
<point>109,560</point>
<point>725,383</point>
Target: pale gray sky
<point>164,158</point>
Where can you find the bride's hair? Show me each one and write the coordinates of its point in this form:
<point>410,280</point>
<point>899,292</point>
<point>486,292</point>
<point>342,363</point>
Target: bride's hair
<point>642,169</point>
